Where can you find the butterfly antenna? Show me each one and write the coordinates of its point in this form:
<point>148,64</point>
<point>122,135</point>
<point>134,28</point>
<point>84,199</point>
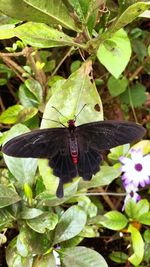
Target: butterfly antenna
<point>79,111</point>
<point>59,112</point>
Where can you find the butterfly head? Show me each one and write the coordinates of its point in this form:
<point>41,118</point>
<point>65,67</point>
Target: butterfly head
<point>71,124</point>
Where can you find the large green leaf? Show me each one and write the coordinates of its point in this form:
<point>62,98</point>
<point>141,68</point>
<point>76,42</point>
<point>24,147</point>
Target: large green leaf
<point>56,11</point>
<point>7,196</point>
<point>23,169</point>
<point>115,53</point>
<point>70,224</point>
<point>131,13</point>
<point>42,36</point>
<point>81,257</point>
<point>69,98</point>
<point>51,12</point>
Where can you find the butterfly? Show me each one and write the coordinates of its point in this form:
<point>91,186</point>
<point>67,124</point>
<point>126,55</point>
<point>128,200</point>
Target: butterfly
<point>74,150</point>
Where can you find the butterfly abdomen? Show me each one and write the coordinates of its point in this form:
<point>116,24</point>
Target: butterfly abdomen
<point>73,148</point>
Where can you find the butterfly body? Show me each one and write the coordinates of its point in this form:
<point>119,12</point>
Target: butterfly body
<point>74,150</point>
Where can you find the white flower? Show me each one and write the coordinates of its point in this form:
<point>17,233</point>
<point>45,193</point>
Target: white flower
<point>136,170</point>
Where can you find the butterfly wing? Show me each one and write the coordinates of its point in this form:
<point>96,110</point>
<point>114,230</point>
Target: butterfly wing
<point>51,144</point>
<point>88,163</point>
<point>104,135</point>
<point>97,136</point>
<point>63,167</point>
<point>44,143</point>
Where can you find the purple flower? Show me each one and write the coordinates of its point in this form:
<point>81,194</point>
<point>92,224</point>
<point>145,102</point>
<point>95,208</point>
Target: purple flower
<point>131,193</point>
<point>136,170</point>
<point>136,173</point>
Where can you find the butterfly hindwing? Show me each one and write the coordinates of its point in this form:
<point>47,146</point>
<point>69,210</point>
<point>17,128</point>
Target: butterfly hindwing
<point>88,163</point>
<point>63,168</point>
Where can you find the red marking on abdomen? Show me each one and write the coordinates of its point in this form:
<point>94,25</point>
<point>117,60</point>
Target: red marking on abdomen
<point>73,149</point>
<point>75,159</point>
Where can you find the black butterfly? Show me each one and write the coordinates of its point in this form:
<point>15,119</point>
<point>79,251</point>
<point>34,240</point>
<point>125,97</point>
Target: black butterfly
<point>73,151</point>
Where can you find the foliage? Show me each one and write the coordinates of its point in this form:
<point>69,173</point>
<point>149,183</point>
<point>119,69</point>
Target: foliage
<point>44,44</point>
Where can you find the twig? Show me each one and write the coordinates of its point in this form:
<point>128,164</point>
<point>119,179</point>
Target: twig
<point>2,104</point>
<point>62,60</point>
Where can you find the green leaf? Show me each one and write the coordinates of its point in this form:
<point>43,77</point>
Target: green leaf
<point>23,169</point>
<point>142,207</point>
<point>72,242</point>
<point>70,224</point>
<point>144,145</point>
<point>118,256</point>
<point>3,81</point>
<point>135,95</point>
<point>145,218</point>
<point>117,152</point>
<point>138,246</point>
<point>104,177</point>
<point>130,14</point>
<point>44,222</point>
<point>114,220</point>
<point>42,36</point>
<point>147,236</point>
<point>14,259</point>
<point>51,13</point>
<point>29,243</point>
<point>27,98</point>
<point>81,257</point>
<point>6,31</point>
<point>130,208</point>
<point>140,49</point>
<point>56,11</point>
<point>35,88</point>
<point>10,115</point>
<point>27,113</point>
<point>48,199</point>
<point>89,232</point>
<point>115,53</point>
<point>47,260</point>
<point>7,196</point>
<point>117,86</point>
<point>70,97</point>
<point>30,213</point>
<point>6,219</point>
<point>22,246</point>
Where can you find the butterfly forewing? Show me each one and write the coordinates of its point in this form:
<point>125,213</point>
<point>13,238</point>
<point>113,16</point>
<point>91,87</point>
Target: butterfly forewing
<point>104,135</point>
<point>44,143</point>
